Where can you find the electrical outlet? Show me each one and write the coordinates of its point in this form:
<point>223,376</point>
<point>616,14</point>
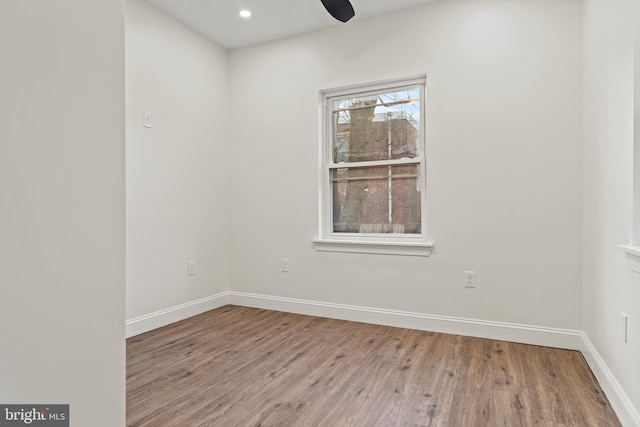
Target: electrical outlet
<point>624,326</point>
<point>284,264</point>
<point>191,268</point>
<point>469,279</point>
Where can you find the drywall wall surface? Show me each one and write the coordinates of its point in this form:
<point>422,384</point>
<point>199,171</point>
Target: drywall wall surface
<point>504,161</point>
<point>177,169</point>
<point>62,214</point>
<point>610,287</point>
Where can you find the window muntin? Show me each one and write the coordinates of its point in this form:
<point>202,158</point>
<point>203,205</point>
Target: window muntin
<point>374,168</point>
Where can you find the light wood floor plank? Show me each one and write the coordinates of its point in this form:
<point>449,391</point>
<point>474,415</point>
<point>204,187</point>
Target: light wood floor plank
<point>237,366</point>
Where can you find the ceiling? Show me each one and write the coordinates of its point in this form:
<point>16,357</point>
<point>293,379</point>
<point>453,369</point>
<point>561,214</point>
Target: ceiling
<point>219,21</point>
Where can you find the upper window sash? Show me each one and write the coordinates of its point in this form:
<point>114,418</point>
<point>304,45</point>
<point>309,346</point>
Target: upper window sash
<point>332,132</point>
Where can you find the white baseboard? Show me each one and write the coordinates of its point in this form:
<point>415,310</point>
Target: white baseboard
<point>550,337</point>
<point>618,399</point>
<point>169,315</point>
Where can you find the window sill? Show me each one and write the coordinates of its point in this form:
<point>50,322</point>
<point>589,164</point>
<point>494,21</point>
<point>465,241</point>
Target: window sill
<point>374,247</point>
<point>633,256</point>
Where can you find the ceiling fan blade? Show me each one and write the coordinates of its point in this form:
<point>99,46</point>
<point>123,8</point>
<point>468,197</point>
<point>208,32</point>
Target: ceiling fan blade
<point>339,9</point>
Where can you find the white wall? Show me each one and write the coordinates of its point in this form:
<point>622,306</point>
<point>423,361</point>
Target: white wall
<point>177,171</point>
<point>62,220</point>
<point>504,161</point>
<point>609,286</point>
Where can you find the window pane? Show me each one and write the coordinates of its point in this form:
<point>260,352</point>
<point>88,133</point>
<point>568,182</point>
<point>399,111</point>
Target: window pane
<point>380,199</point>
<point>376,127</point>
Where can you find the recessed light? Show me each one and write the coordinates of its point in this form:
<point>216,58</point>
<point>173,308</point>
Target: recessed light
<point>245,13</point>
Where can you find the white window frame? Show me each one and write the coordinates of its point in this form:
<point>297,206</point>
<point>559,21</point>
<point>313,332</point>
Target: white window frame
<point>392,244</point>
<point>633,248</point>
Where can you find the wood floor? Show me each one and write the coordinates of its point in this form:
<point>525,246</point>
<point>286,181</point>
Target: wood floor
<point>237,366</point>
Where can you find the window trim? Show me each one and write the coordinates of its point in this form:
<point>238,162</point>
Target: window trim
<point>392,244</point>
<point>632,251</point>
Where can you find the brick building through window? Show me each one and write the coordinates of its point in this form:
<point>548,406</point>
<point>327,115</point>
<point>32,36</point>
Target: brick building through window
<point>392,201</point>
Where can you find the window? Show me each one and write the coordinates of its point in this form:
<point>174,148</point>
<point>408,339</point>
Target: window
<point>373,171</point>
<point>633,249</point>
